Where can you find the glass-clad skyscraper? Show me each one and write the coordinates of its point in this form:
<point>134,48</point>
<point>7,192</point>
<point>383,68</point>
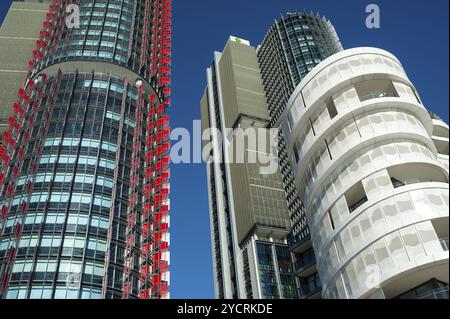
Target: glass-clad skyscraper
<point>292,47</point>
<point>84,162</point>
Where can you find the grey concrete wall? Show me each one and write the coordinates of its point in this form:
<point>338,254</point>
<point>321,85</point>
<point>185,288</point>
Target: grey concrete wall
<point>18,35</point>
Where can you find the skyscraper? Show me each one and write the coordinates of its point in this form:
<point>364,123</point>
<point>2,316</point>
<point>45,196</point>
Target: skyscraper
<point>292,47</point>
<point>84,162</point>
<point>248,214</point>
<point>371,167</point>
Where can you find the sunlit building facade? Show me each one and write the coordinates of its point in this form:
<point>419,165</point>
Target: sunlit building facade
<point>371,167</point>
<point>248,214</point>
<point>84,161</point>
<point>292,47</point>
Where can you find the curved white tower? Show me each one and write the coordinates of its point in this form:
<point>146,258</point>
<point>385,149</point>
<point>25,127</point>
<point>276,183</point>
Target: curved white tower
<point>376,193</point>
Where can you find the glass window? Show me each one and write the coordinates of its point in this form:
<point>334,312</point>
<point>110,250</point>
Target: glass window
<point>75,242</point>
<point>97,244</point>
<point>268,279</point>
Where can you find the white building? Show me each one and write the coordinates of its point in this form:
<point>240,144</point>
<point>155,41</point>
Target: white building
<point>371,167</point>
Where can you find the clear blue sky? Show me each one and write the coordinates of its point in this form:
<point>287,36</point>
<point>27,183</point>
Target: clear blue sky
<point>415,31</point>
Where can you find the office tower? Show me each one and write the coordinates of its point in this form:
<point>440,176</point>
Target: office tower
<point>84,162</point>
<point>291,48</point>
<point>248,213</point>
<point>369,166</point>
<point>293,45</point>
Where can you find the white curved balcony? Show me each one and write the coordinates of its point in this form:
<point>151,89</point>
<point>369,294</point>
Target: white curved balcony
<point>365,159</point>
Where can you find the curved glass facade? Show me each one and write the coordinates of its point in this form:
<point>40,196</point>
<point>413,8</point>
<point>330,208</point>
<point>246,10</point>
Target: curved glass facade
<point>292,47</point>
<point>119,32</point>
<point>84,176</point>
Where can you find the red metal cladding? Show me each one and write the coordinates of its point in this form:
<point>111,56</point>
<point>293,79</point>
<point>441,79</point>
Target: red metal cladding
<point>21,93</point>
<point>23,110</point>
<point>6,136</point>
<point>26,136</point>
<point>16,171</point>
<point>23,208</point>
<point>134,195</point>
<point>4,213</point>
<point>30,86</point>
<point>155,58</point>
<point>148,192</point>
<point>157,143</point>
<point>164,245</point>
<point>21,153</point>
<point>6,160</point>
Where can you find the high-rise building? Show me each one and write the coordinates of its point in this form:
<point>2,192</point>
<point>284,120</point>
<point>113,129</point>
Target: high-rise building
<point>371,168</point>
<point>248,213</point>
<point>84,160</point>
<point>292,47</point>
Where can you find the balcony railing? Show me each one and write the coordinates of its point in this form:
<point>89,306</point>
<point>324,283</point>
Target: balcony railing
<point>304,262</point>
<point>310,288</point>
<point>396,183</point>
<point>298,239</point>
<point>437,293</point>
<point>434,116</point>
<point>355,205</point>
<point>377,95</point>
<point>444,243</point>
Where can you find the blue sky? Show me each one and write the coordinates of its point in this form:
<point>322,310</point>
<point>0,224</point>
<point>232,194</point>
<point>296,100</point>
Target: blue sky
<point>415,31</point>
